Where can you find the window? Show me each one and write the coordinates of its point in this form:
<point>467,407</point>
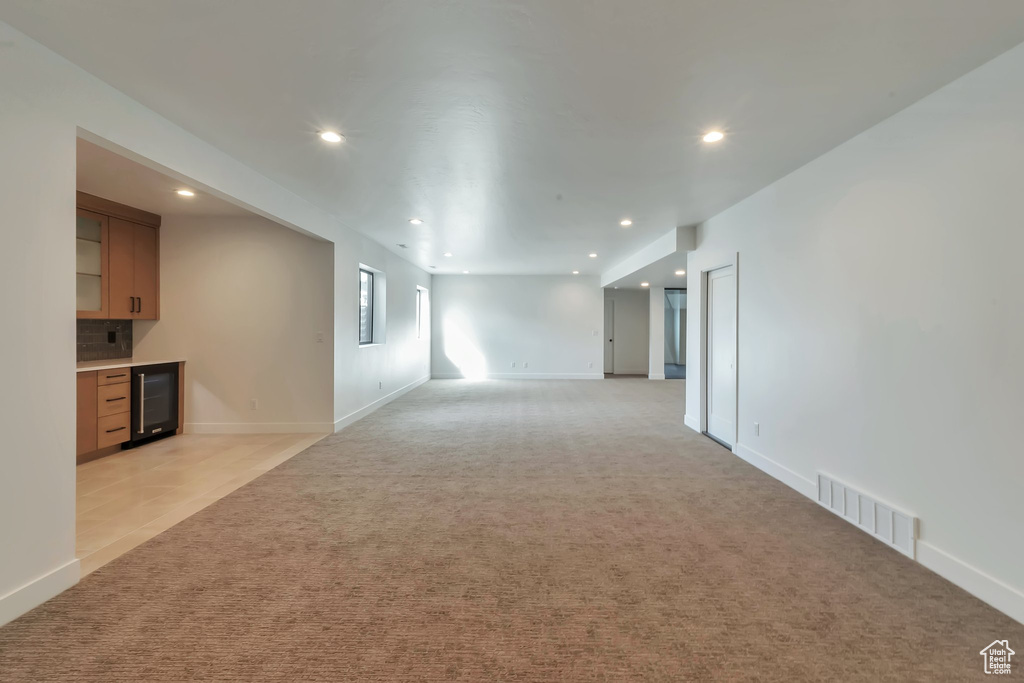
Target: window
<point>422,312</point>
<point>365,307</point>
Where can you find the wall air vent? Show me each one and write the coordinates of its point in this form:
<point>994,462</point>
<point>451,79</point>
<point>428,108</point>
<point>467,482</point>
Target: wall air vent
<point>884,522</point>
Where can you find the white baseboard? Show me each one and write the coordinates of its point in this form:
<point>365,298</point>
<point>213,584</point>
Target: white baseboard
<point>259,427</point>
<point>357,415</point>
<point>38,591</point>
<point>656,376</point>
<point>525,375</point>
<point>1005,598</point>
<point>787,476</point>
<point>691,422</point>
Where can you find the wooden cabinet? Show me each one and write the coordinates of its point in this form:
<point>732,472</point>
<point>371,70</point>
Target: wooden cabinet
<point>147,273</point>
<point>92,264</point>
<point>122,269</point>
<point>113,376</point>
<point>112,430</point>
<point>104,410</point>
<point>134,271</point>
<point>127,248</point>
<point>87,402</point>
<point>112,399</point>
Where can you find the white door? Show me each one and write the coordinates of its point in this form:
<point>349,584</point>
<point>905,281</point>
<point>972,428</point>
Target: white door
<point>609,335</point>
<point>721,360</point>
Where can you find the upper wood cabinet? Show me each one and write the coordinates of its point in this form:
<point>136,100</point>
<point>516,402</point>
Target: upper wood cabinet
<point>92,264</point>
<point>134,271</point>
<point>118,261</point>
<point>147,272</point>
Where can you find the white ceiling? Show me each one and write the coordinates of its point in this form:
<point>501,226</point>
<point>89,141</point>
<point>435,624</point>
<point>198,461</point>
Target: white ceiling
<point>105,174</point>
<point>522,132</point>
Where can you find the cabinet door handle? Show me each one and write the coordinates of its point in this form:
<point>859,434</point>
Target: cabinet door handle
<point>120,398</point>
<point>140,305</point>
<point>123,374</point>
<point>114,430</point>
<point>132,299</point>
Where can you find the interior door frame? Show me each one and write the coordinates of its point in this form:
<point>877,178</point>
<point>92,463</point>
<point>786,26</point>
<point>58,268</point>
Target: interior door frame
<point>732,260</point>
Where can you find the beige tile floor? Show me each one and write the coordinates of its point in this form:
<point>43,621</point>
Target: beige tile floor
<point>129,497</point>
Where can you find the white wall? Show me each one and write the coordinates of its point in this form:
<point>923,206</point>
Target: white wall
<point>47,101</point>
<point>368,376</point>
<point>656,336</point>
<point>632,310</point>
<point>881,323</point>
<point>482,323</point>
<point>37,395</point>
<point>242,299</point>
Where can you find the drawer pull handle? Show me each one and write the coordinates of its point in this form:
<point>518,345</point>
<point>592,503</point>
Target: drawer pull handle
<point>117,429</point>
<point>123,374</point>
<point>111,400</point>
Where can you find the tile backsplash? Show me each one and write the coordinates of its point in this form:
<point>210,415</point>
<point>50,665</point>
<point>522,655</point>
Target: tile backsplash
<point>104,339</point>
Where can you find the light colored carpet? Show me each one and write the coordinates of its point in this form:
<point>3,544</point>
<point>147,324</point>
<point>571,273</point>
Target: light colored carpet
<point>528,531</point>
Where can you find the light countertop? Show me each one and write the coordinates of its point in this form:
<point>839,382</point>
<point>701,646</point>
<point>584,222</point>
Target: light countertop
<point>89,366</point>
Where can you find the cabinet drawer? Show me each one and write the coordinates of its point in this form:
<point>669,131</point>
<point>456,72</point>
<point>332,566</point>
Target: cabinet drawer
<point>115,376</point>
<point>113,399</point>
<point>113,429</point>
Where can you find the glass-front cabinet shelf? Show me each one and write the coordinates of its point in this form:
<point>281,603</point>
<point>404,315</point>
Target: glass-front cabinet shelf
<point>91,264</point>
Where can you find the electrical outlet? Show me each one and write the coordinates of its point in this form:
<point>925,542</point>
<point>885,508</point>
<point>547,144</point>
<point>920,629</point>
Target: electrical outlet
<point>590,365</point>
<point>757,429</point>
<point>513,363</point>
<point>380,385</point>
<point>319,337</point>
<point>526,365</point>
<point>254,404</point>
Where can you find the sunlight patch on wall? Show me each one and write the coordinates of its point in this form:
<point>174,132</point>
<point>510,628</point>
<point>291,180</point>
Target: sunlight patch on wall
<point>462,350</point>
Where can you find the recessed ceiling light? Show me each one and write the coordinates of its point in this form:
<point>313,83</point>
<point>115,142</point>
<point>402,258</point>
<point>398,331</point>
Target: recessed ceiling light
<point>416,221</point>
<point>331,136</point>
<point>186,193</point>
<point>448,254</point>
<point>645,284</point>
<point>680,272</point>
<point>625,222</point>
<point>592,255</point>
<point>575,272</point>
<point>713,136</point>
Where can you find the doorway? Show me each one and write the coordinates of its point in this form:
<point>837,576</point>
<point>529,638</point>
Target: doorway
<point>720,355</point>
<point>609,336</point>
<point>675,333</point>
